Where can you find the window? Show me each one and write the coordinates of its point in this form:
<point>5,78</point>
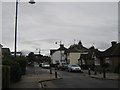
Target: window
<point>107,60</point>
<point>97,62</point>
<point>83,61</point>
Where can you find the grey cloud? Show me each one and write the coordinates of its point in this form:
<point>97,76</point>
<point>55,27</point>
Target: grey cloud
<point>42,24</point>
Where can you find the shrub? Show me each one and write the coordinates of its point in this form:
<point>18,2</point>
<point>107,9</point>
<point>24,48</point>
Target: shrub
<point>15,70</point>
<point>5,76</point>
<point>22,62</point>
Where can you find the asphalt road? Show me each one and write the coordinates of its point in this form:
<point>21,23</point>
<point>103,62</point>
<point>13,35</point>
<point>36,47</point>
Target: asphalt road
<point>75,80</point>
<point>79,80</point>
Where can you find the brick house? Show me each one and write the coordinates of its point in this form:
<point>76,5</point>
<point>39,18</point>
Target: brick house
<point>112,56</point>
<point>97,58</point>
<point>92,59</point>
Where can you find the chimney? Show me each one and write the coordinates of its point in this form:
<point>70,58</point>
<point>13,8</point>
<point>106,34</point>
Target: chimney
<point>113,43</point>
<point>61,45</point>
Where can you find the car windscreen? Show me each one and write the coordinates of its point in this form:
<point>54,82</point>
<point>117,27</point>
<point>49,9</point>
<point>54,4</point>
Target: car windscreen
<point>74,65</point>
<point>64,64</point>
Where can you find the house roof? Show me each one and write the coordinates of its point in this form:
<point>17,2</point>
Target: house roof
<point>1,45</point>
<point>92,51</point>
<point>114,50</point>
<point>77,48</point>
<point>6,51</point>
<point>62,47</point>
<point>52,51</point>
<point>95,52</point>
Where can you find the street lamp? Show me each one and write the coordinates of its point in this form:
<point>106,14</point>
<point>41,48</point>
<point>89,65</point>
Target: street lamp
<point>16,21</point>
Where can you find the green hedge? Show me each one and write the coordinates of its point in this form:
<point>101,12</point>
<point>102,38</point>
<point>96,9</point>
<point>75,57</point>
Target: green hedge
<point>17,65</point>
<point>22,62</point>
<point>5,76</point>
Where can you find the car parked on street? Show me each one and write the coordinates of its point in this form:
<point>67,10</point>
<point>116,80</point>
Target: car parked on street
<point>45,65</point>
<point>62,66</point>
<point>74,67</point>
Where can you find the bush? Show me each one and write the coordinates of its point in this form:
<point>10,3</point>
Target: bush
<point>5,76</point>
<point>22,62</point>
<point>15,70</point>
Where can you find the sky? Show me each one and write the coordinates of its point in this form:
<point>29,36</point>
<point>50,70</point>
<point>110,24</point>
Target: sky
<point>42,24</point>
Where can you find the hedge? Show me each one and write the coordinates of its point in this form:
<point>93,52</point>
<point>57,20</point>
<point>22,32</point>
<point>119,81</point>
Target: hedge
<point>5,76</point>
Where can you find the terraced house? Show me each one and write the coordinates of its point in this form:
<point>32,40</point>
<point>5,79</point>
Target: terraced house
<point>75,51</point>
<point>91,60</point>
<point>95,59</point>
<point>59,55</point>
<point>112,56</point>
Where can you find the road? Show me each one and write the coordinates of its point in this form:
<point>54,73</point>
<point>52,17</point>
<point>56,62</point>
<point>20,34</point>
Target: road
<point>78,80</point>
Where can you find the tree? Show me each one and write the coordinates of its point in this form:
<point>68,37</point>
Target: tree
<point>31,57</point>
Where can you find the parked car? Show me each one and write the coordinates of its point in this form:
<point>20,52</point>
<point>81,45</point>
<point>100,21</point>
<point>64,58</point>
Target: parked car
<point>45,65</point>
<point>62,66</point>
<point>74,67</point>
<point>36,64</point>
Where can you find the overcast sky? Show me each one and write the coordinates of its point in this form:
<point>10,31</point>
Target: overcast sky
<point>42,24</point>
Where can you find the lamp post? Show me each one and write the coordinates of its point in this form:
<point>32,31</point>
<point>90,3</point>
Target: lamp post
<point>16,23</point>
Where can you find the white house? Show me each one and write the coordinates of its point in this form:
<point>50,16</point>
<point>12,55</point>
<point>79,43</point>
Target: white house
<point>58,55</point>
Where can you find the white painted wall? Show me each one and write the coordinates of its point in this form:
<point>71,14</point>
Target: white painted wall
<point>58,56</point>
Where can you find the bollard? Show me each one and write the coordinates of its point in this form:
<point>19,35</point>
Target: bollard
<point>50,69</point>
<point>55,74</point>
<point>104,73</point>
<point>89,71</point>
<point>95,72</point>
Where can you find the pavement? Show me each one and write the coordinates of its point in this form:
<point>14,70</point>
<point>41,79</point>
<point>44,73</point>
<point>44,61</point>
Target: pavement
<point>109,76</point>
<point>43,80</point>
<point>34,80</point>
